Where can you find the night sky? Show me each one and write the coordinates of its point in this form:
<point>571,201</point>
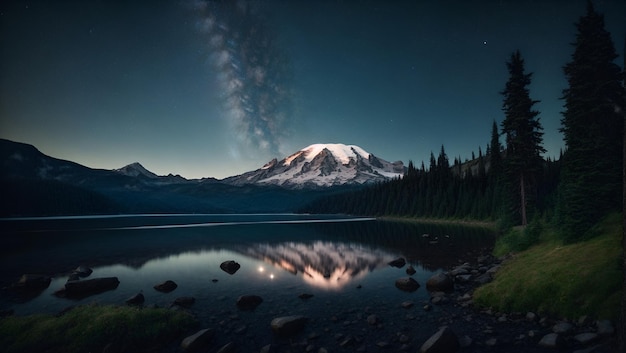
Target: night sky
<point>214,89</point>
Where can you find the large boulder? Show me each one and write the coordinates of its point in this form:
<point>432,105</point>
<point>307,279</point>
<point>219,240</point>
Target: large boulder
<point>249,302</point>
<point>440,282</point>
<point>443,341</point>
<point>288,325</point>
<point>230,267</point>
<point>84,288</point>
<point>166,286</point>
<point>407,284</point>
<point>198,340</point>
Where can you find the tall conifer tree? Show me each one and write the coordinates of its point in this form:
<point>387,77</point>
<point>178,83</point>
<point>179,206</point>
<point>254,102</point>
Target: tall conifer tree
<point>592,126</point>
<point>523,133</point>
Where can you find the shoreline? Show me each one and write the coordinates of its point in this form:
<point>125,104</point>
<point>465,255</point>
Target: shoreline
<point>469,223</point>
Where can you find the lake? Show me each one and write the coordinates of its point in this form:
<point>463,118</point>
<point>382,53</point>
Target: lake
<point>341,261</point>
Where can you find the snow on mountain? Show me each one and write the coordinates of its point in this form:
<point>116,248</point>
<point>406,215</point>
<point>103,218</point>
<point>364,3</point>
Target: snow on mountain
<point>135,170</point>
<point>321,165</point>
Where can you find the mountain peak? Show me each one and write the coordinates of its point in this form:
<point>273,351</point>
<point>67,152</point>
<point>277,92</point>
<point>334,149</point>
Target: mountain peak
<point>136,169</point>
<point>320,165</point>
<point>342,153</point>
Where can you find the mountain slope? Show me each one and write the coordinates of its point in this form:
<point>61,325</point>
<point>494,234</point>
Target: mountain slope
<point>322,165</point>
<point>136,169</point>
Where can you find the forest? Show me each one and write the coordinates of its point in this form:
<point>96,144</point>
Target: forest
<point>512,183</point>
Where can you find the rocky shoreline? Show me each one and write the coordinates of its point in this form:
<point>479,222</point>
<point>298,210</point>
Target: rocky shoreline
<point>454,322</point>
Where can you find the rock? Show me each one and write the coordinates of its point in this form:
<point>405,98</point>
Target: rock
<point>562,328</point>
<point>407,284</point>
<point>410,270</point>
<point>270,348</point>
<point>438,298</point>
<point>230,267</point>
<point>465,297</point>
<point>586,338</point>
<point>33,282</point>
<point>493,269</point>
<point>348,341</point>
<point>407,304</point>
<point>83,271</point>
<point>530,316</point>
<point>551,340</point>
<point>166,286</point>
<point>443,341</point>
<point>249,302</point>
<point>84,288</point>
<point>372,319</point>
<point>605,328</point>
<point>463,278</point>
<point>491,342</point>
<point>288,325</point>
<point>399,262</point>
<point>184,301</point>
<point>483,279</point>
<point>305,296</point>
<point>227,348</point>
<point>198,340</point>
<point>136,299</point>
<point>440,282</point>
<point>460,270</point>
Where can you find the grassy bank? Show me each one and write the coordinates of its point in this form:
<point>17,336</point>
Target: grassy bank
<point>562,280</point>
<point>90,328</point>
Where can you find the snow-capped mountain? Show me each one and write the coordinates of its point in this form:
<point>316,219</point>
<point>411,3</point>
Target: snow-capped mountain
<point>135,170</point>
<point>321,165</point>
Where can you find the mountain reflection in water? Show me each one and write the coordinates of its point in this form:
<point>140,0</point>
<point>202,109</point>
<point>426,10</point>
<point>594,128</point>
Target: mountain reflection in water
<point>323,264</point>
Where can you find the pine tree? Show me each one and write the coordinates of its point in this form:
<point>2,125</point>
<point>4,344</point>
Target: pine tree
<point>592,126</point>
<point>495,158</point>
<point>522,130</point>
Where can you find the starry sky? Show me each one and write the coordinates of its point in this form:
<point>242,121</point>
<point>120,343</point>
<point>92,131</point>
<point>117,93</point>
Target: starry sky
<point>218,88</point>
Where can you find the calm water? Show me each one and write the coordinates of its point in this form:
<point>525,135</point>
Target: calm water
<point>341,261</point>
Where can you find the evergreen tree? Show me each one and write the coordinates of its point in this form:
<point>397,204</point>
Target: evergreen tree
<point>522,130</point>
<point>593,129</point>
<point>495,158</point>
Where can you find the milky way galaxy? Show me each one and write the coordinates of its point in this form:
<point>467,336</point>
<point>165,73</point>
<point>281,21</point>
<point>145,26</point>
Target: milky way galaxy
<point>252,73</point>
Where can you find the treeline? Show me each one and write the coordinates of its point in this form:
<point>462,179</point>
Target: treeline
<point>512,183</point>
<point>30,197</point>
<point>477,189</point>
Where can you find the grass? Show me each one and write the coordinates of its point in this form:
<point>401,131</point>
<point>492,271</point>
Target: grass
<point>561,280</point>
<point>90,328</point>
